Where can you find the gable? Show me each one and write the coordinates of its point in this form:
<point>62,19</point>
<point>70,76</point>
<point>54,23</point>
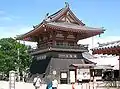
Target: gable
<point>68,17</point>
<point>64,15</point>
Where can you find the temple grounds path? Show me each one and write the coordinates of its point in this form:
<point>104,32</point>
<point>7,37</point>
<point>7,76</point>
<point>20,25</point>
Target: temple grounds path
<point>23,85</point>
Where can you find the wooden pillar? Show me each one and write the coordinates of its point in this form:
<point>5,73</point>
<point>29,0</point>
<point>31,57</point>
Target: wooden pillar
<point>76,67</point>
<point>54,37</point>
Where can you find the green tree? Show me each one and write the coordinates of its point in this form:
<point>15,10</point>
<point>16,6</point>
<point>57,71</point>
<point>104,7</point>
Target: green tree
<point>13,56</point>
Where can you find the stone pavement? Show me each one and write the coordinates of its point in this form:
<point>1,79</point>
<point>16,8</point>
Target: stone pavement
<point>23,85</point>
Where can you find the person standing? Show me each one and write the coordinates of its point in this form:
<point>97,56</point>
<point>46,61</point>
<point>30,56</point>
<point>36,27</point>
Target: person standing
<point>37,82</point>
<point>54,84</point>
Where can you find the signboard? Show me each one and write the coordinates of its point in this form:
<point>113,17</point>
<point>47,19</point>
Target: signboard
<point>83,74</point>
<point>63,75</point>
<point>12,80</point>
<point>72,76</point>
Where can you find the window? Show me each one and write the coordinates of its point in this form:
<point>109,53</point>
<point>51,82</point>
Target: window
<point>70,43</point>
<point>75,56</point>
<point>59,43</point>
<point>70,55</point>
<point>98,72</point>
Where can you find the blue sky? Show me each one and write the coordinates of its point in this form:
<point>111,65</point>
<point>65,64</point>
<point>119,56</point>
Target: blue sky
<point>18,16</point>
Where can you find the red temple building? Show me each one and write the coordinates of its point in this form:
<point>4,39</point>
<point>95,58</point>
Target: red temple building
<point>57,49</point>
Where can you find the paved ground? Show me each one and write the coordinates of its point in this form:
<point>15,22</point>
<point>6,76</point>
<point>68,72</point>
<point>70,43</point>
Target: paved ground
<point>22,85</point>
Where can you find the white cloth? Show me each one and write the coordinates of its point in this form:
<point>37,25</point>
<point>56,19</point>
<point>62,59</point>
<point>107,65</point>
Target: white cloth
<point>54,83</point>
<point>38,81</point>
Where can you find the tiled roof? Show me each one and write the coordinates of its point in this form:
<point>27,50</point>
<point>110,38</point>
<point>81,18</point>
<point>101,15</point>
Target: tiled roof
<point>58,12</point>
<point>87,55</point>
<point>70,27</point>
<point>61,13</point>
<point>66,63</point>
<point>51,21</point>
<point>55,15</point>
<point>84,65</point>
<point>108,60</point>
<point>73,26</point>
<point>108,45</point>
<point>103,67</point>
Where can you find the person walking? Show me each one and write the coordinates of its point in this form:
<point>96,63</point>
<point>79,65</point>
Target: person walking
<point>49,85</point>
<point>54,84</point>
<point>37,82</point>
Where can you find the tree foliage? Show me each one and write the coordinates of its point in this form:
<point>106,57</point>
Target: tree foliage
<point>13,56</point>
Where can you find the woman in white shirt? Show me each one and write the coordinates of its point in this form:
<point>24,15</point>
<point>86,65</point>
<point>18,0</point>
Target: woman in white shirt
<point>54,84</point>
<point>37,82</point>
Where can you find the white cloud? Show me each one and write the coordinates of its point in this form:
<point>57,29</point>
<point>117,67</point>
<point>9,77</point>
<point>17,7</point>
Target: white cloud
<point>9,18</point>
<point>32,44</point>
<point>13,31</point>
<point>22,30</point>
<point>4,16</point>
<point>6,19</point>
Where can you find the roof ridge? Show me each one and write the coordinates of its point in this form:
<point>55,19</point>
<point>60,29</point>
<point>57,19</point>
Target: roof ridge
<point>53,16</point>
<point>108,43</point>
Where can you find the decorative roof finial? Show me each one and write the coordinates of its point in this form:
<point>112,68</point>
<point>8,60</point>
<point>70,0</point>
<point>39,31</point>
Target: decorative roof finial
<point>33,26</point>
<point>66,3</point>
<point>46,16</point>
